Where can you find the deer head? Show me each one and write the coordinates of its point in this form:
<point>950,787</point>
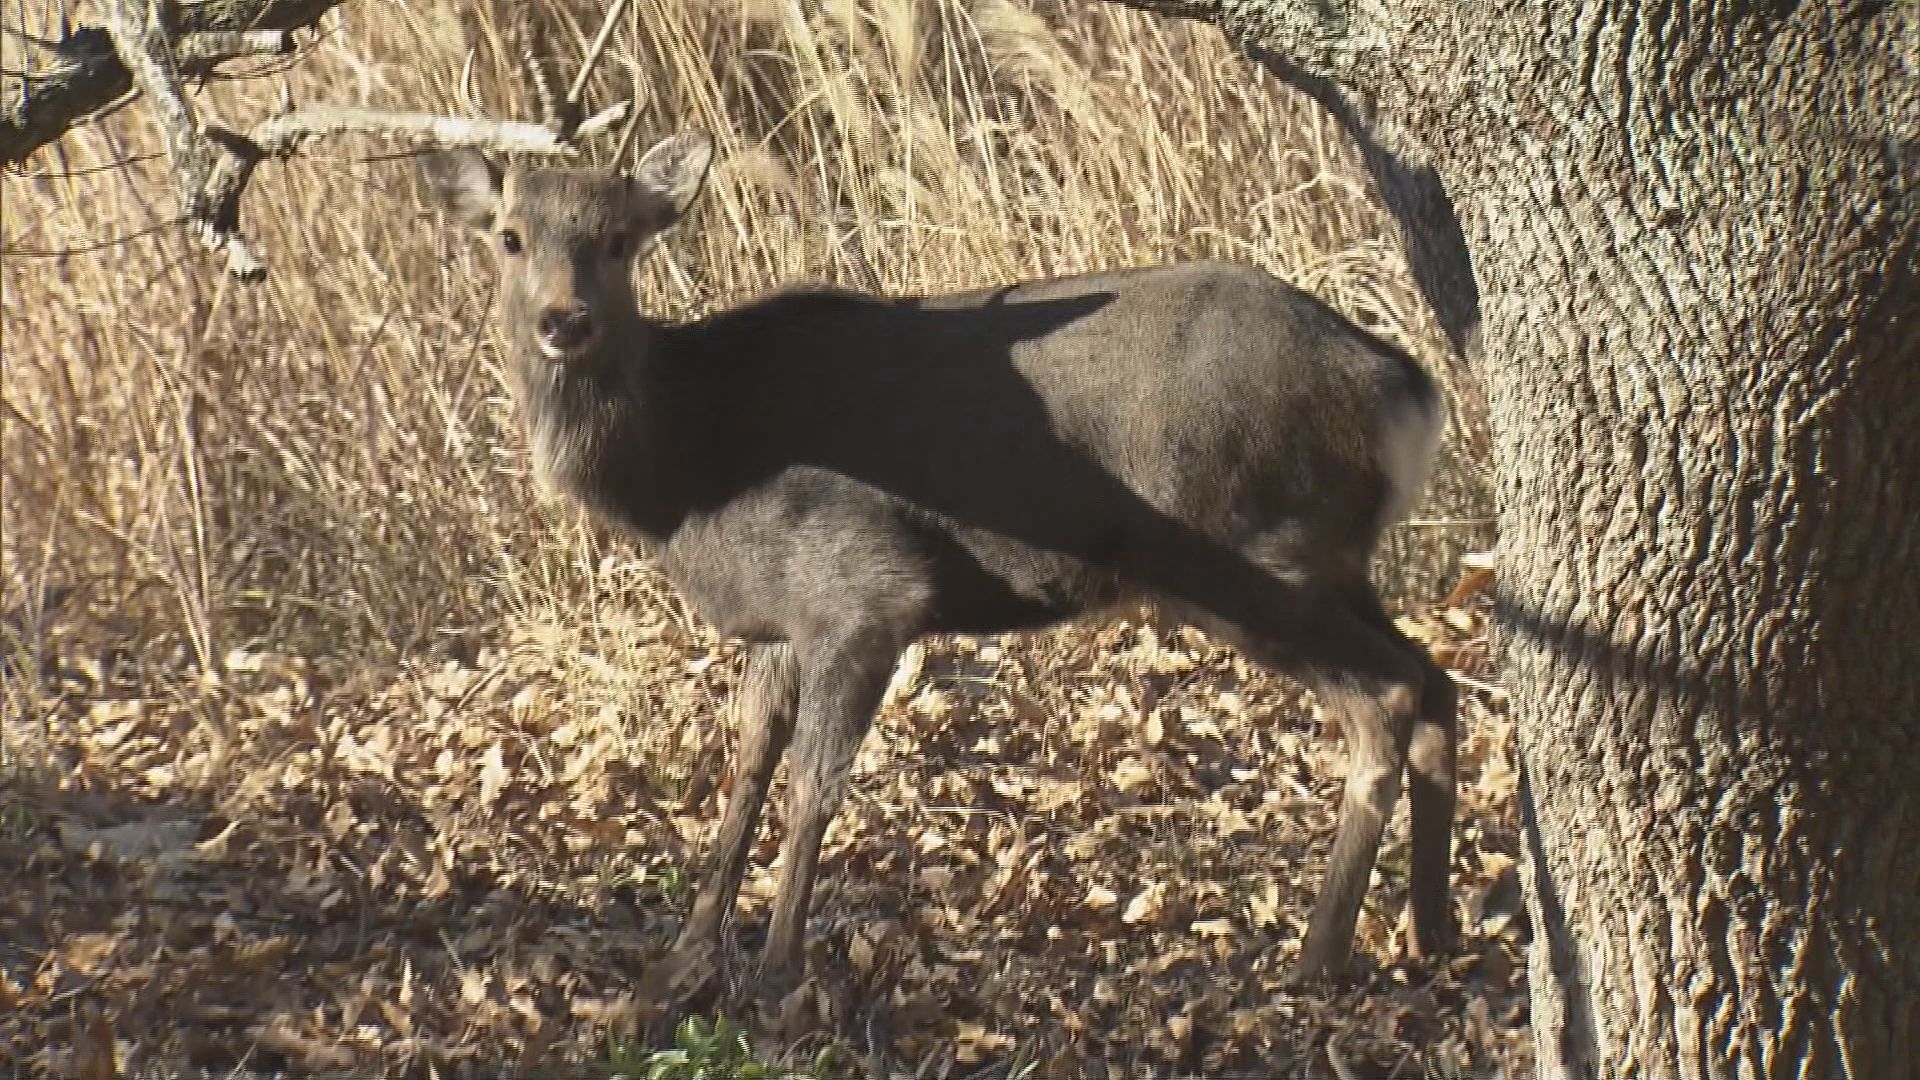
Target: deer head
<point>566,239</point>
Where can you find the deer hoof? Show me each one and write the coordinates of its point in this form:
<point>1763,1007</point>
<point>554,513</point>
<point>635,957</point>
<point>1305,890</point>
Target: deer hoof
<point>680,975</point>
<point>1434,942</point>
<point>1318,972</point>
<point>784,1009</point>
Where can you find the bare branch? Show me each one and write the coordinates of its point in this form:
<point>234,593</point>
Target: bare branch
<point>147,45</point>
<point>140,37</point>
<point>217,16</point>
<point>281,136</point>
<point>87,76</point>
<point>14,251</point>
<point>218,46</point>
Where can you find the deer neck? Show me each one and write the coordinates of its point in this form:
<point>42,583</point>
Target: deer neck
<point>604,428</point>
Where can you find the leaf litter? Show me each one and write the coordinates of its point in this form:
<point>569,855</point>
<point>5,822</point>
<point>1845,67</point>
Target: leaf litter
<point>1084,853</point>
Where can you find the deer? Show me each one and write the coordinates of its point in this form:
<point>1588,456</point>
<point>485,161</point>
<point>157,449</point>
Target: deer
<point>828,476</point>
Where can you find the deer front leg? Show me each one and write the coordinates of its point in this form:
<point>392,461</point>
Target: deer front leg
<point>764,713</point>
<point>840,687</point>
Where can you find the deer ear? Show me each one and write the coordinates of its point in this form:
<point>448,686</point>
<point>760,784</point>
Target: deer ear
<point>667,177</point>
<point>464,183</point>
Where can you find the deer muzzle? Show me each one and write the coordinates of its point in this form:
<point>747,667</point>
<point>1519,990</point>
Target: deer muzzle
<point>564,331</point>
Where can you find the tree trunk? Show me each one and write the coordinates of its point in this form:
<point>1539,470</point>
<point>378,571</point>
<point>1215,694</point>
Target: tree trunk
<point>1694,233</point>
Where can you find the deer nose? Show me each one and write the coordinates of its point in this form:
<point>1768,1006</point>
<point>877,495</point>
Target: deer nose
<point>565,330</point>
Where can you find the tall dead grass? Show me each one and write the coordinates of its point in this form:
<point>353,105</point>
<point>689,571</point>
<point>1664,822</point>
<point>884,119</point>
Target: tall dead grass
<point>270,557</point>
<point>326,465</point>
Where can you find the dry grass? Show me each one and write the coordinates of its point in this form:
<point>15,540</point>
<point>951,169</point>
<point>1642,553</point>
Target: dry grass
<point>273,570</point>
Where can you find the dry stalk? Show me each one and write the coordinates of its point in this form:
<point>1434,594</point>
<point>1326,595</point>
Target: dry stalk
<point>593,52</point>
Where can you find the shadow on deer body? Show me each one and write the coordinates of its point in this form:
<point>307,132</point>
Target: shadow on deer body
<point>830,476</point>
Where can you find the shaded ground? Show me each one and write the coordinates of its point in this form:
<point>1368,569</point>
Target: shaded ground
<point>1089,853</point>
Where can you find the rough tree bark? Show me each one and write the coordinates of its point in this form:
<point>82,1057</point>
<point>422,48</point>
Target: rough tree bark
<point>1680,244</point>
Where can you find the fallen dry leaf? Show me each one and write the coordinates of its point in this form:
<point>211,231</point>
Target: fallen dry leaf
<point>1146,906</point>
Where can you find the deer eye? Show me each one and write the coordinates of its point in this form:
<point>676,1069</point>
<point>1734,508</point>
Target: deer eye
<point>617,246</point>
<point>510,242</point>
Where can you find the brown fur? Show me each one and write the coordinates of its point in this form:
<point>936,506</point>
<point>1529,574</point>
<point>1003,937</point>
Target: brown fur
<point>830,475</point>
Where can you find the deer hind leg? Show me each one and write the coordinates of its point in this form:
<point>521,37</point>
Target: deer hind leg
<point>1369,677</point>
<point>1432,754</point>
<point>841,685</point>
<point>1432,789</point>
<point>1374,686</point>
